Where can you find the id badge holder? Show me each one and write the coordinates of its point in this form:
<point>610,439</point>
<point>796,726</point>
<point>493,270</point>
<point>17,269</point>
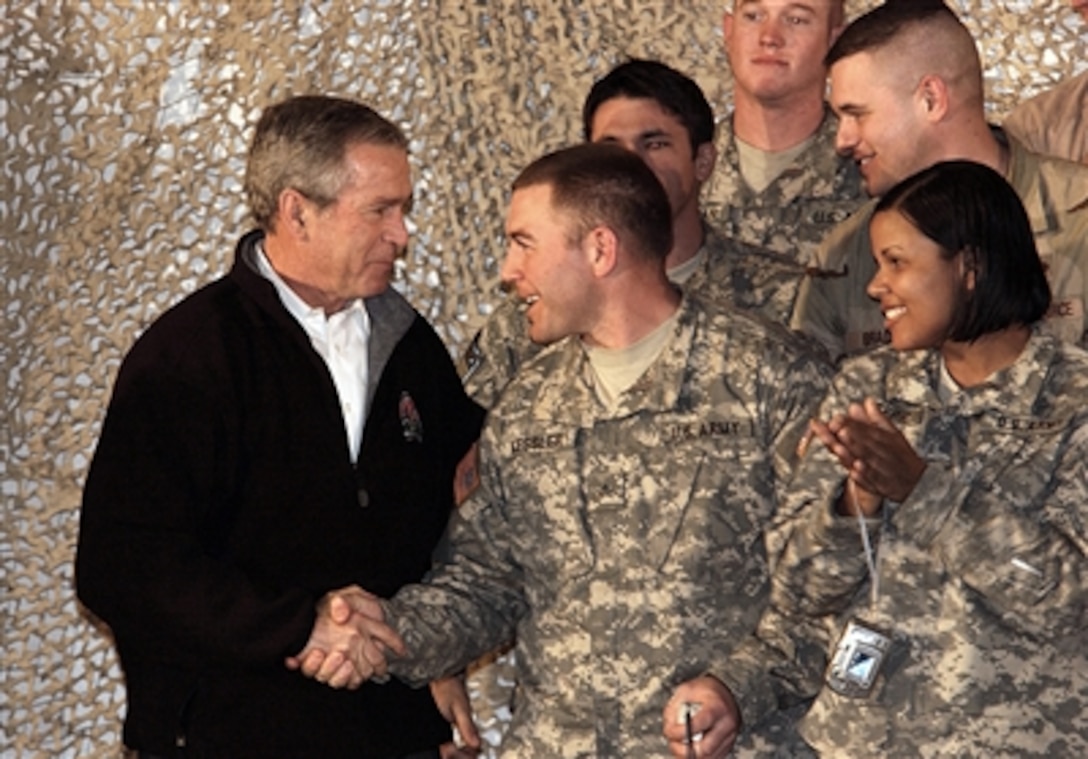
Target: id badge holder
<point>862,650</point>
<point>857,660</point>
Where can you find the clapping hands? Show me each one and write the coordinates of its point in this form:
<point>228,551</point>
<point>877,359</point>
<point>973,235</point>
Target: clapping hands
<point>879,461</point>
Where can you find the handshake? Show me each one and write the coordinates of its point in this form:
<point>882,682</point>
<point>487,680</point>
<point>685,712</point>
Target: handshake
<point>349,642</point>
<point>348,646</point>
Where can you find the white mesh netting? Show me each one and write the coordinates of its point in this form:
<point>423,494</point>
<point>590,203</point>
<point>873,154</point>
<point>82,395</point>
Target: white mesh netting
<point>123,133</point>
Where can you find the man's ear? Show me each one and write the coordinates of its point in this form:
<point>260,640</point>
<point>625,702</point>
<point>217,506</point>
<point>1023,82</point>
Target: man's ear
<point>727,28</point>
<point>293,213</point>
<point>836,27</point>
<point>932,94</point>
<point>706,158</point>
<point>602,250</point>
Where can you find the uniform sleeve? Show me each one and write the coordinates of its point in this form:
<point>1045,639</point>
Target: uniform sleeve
<point>1024,554</point>
<point>1055,122</point>
<point>782,663</point>
<point>794,388</point>
<point>816,579</point>
<point>496,352</point>
<point>152,560</point>
<point>779,666</point>
<point>473,601</point>
<point>1027,125</point>
<point>822,558</point>
<point>818,566</point>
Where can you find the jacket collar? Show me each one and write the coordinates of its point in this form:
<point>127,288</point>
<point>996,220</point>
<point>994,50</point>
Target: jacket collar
<point>391,316</point>
<point>1013,391</point>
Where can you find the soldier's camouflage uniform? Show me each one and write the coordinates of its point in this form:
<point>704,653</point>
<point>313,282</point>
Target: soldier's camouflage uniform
<point>834,308</point>
<point>982,570</point>
<point>793,214</point>
<point>624,546</point>
<point>732,272</point>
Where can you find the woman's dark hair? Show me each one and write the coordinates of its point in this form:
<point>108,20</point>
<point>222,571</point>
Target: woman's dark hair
<point>969,208</point>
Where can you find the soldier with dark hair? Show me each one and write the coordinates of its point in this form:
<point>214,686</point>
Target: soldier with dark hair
<point>932,591</point>
<point>663,116</point>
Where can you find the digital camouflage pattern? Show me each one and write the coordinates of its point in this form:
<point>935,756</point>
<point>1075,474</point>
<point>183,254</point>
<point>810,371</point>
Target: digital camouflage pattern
<point>834,308</point>
<point>733,272</point>
<point>491,361</point>
<point>793,214</point>
<point>981,570</point>
<point>748,277</point>
<point>624,546</point>
<point>497,350</point>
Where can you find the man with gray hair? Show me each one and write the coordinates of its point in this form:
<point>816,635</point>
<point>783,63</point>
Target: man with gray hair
<point>286,431</point>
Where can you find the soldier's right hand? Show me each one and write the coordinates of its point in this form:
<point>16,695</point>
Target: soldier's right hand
<point>349,641</point>
<point>713,727</point>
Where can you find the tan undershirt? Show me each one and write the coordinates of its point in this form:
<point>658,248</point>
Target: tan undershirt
<point>946,384</point>
<point>681,273</point>
<point>615,370</point>
<point>759,168</point>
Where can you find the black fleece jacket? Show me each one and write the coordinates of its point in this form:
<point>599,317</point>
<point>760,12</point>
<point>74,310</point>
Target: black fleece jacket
<point>222,503</point>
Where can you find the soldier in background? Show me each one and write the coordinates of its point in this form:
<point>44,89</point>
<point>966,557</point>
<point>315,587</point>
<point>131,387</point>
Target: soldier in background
<point>627,473</point>
<point>906,81</point>
<point>941,519</point>
<point>779,184</point>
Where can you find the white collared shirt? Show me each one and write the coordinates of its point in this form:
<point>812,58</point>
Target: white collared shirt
<point>342,340</point>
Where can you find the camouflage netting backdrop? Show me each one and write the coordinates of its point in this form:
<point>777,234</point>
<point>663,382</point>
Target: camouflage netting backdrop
<point>124,129</point>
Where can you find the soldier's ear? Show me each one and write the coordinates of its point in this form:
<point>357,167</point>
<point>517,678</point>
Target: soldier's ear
<point>727,28</point>
<point>706,157</point>
<point>933,97</point>
<point>602,250</point>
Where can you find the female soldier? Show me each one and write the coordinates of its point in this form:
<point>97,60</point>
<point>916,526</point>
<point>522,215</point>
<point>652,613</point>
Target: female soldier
<point>941,527</point>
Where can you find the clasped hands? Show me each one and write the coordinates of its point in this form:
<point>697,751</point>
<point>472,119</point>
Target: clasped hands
<point>349,645</point>
<point>349,642</point>
<point>880,462</point>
